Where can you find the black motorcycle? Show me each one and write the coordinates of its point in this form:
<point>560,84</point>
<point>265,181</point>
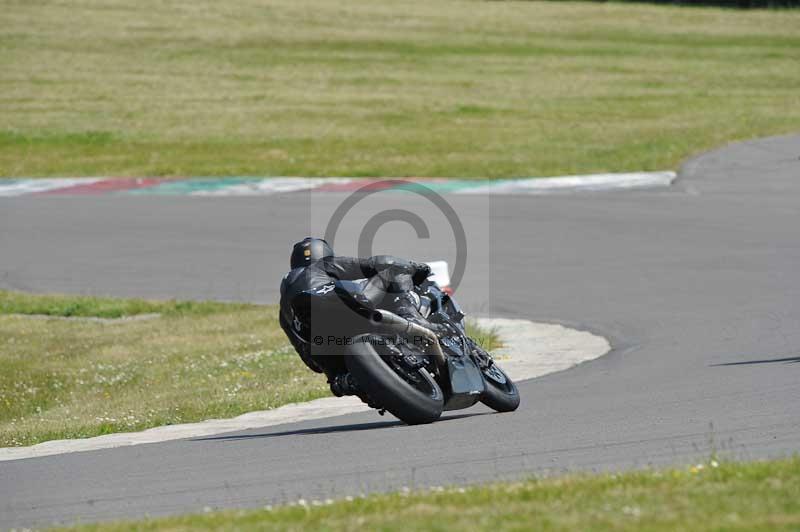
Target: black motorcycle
<point>396,365</point>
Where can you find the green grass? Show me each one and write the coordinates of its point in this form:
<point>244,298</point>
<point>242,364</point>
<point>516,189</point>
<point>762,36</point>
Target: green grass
<point>107,307</point>
<point>78,378</point>
<point>75,378</point>
<point>445,88</point>
<point>486,338</point>
<point>730,496</point>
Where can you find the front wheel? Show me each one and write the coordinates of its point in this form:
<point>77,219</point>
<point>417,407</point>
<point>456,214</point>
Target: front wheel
<point>501,393</point>
<point>411,395</point>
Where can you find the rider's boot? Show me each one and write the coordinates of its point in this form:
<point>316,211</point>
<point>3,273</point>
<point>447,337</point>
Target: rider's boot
<point>343,384</point>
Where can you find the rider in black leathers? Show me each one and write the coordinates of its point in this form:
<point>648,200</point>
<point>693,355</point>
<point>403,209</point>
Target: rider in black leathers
<point>314,265</point>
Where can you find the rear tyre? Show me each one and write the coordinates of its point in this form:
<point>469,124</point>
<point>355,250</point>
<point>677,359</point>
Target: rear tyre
<point>412,396</point>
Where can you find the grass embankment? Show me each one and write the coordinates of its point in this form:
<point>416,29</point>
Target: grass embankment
<point>731,496</point>
<point>193,361</point>
<point>446,88</point>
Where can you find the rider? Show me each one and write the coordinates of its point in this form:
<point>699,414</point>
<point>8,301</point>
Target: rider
<point>314,265</point>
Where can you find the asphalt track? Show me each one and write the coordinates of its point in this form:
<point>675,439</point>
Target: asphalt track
<point>696,286</point>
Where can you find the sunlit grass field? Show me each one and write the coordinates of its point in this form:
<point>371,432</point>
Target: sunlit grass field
<point>710,496</point>
<point>142,364</point>
<point>70,378</point>
<point>445,88</point>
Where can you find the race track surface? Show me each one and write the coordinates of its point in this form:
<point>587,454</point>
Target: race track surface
<point>696,286</point>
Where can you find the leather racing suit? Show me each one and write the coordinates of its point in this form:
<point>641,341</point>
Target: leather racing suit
<point>385,275</point>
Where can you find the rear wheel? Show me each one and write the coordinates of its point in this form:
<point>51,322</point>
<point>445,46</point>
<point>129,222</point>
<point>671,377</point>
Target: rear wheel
<point>410,393</point>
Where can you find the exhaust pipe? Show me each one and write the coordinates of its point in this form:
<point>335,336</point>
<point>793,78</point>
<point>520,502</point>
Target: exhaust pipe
<point>392,322</point>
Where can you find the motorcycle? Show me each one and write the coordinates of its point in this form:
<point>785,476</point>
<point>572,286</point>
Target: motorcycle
<point>394,364</point>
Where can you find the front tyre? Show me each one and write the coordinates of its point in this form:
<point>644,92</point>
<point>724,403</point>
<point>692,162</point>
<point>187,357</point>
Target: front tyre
<point>412,396</point>
<point>501,393</point>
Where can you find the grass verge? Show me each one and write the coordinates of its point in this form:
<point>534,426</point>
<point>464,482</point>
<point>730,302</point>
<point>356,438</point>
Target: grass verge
<point>728,496</point>
<point>446,88</point>
<point>74,378</point>
<point>106,307</point>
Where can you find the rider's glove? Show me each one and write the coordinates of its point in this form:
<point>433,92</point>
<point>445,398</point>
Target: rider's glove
<point>421,272</point>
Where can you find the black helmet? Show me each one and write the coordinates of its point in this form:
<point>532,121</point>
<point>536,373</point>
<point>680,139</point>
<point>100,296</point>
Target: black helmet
<point>308,250</point>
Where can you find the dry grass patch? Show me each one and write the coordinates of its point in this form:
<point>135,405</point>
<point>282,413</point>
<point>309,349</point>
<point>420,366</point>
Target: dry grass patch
<point>446,88</point>
<point>78,378</point>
